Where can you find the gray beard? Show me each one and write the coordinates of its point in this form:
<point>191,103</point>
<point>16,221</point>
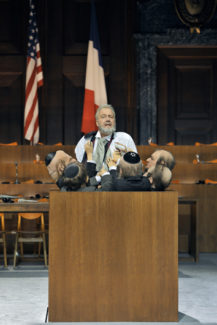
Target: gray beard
<point>107,131</point>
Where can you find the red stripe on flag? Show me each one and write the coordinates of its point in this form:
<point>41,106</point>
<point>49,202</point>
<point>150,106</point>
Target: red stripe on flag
<point>30,113</point>
<point>89,110</point>
<point>36,125</point>
<point>31,80</point>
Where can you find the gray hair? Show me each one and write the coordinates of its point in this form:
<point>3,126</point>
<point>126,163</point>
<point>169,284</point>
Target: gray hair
<point>128,170</point>
<point>104,106</point>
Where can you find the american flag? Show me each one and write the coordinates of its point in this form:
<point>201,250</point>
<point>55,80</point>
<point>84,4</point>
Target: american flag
<point>34,79</point>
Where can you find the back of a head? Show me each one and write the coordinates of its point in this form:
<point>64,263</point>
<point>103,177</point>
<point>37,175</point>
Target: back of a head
<point>166,158</point>
<point>74,176</point>
<point>161,176</point>
<point>49,158</point>
<point>130,165</point>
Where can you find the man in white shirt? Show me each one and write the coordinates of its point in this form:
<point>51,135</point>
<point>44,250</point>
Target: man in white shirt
<point>106,140</point>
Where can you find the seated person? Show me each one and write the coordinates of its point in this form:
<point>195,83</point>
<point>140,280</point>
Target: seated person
<point>164,156</point>
<point>75,178</point>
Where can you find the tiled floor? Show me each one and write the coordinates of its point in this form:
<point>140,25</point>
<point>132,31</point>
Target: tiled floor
<point>24,293</point>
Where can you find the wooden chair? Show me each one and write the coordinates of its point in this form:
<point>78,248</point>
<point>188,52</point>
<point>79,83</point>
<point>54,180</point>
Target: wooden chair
<point>3,238</point>
<point>30,236</point>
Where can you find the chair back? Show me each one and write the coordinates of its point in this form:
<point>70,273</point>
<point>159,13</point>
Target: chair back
<point>3,238</point>
<point>30,216</point>
<point>2,221</point>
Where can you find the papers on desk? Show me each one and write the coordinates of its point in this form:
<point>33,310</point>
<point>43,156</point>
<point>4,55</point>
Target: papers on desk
<point>27,201</point>
<point>14,198</point>
<point>5,196</point>
<point>8,198</point>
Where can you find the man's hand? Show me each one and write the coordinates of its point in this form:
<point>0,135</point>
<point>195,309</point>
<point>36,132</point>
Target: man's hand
<point>116,155</point>
<point>122,148</point>
<point>102,171</point>
<point>89,150</point>
<point>110,162</point>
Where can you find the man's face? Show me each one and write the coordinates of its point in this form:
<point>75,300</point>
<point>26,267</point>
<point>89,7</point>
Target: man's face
<point>151,161</point>
<point>58,164</point>
<point>106,121</point>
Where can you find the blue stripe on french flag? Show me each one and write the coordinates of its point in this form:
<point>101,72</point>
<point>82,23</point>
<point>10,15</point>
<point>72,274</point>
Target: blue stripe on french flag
<point>94,34</point>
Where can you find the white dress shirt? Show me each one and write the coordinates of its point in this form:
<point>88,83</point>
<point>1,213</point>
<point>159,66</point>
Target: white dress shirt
<point>120,137</point>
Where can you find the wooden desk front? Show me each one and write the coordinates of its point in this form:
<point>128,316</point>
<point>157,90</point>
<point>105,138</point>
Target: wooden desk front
<point>24,207</point>
<point>113,257</point>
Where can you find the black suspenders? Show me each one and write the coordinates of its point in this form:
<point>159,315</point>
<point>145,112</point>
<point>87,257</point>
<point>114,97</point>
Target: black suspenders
<point>92,139</point>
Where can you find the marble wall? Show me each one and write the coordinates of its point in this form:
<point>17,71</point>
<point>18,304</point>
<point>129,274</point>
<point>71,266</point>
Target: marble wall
<point>158,24</point>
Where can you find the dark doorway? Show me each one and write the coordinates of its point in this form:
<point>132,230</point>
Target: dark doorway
<point>187,96</point>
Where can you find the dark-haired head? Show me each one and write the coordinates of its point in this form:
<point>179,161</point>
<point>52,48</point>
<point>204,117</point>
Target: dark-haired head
<point>49,157</point>
<point>74,176</point>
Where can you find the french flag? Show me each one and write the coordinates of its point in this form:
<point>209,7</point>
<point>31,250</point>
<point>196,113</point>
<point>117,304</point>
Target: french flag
<point>95,89</point>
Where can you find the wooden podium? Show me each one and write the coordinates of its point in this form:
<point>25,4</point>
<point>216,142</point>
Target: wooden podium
<point>113,257</point>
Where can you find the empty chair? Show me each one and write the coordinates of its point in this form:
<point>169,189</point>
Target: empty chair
<point>24,236</point>
<point>3,238</point>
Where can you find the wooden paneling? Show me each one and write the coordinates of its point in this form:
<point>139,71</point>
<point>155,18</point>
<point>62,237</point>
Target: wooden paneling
<point>207,217</point>
<point>29,172</point>
<point>28,190</point>
<point>113,257</point>
<point>188,174</point>
<point>11,26</point>
<point>182,154</point>
<point>67,52</point>
<point>12,69</point>
<point>186,94</point>
<point>12,154</point>
<point>64,28</point>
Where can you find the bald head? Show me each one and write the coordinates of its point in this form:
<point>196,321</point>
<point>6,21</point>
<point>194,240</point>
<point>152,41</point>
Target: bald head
<point>166,158</point>
<point>162,157</point>
<point>162,177</point>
